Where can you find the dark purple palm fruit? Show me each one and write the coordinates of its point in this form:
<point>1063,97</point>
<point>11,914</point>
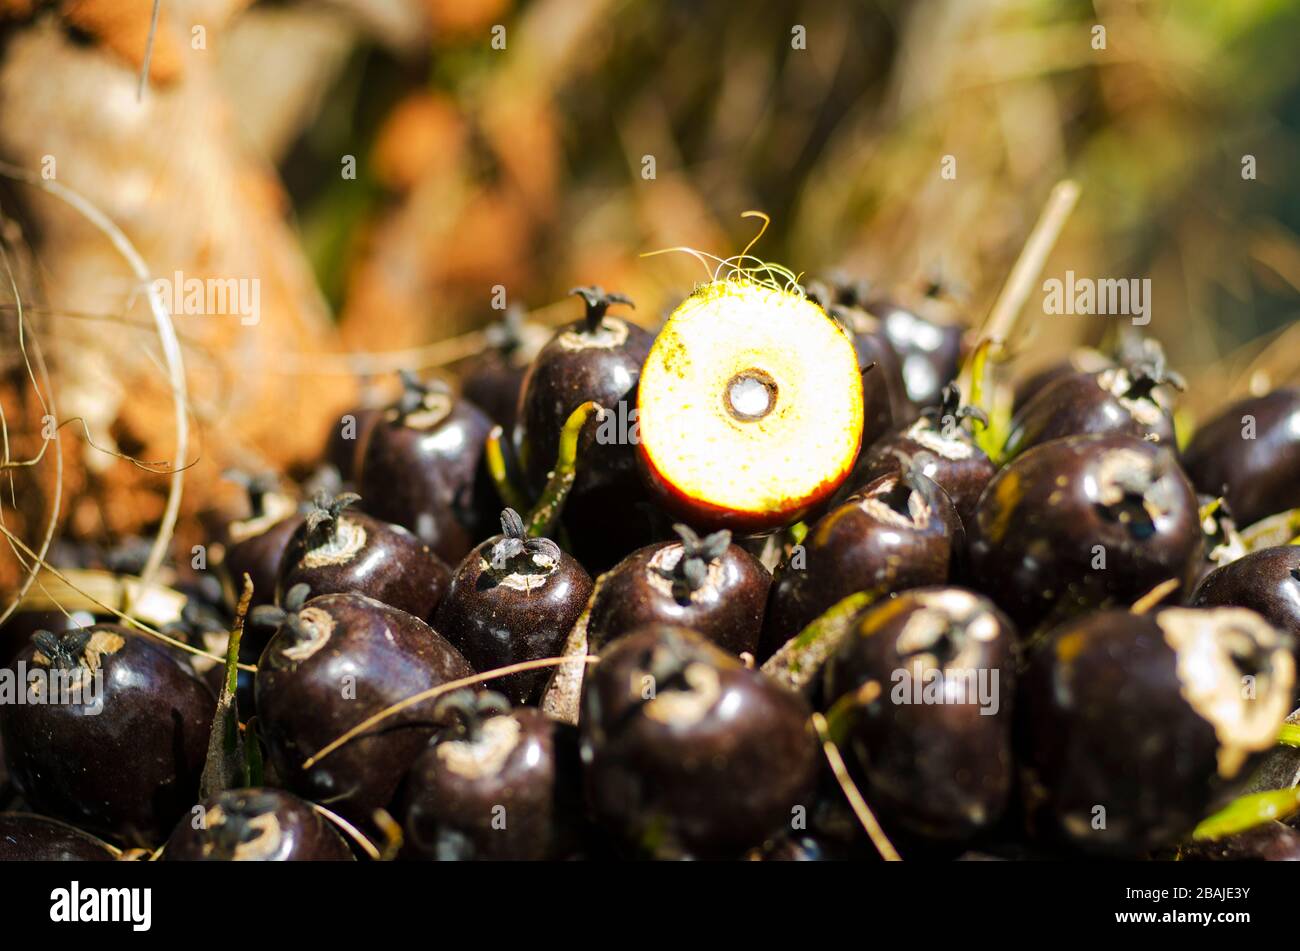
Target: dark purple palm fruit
<point>117,741</point>
<point>1081,523</point>
<point>422,468</point>
<point>335,661</point>
<point>688,752</point>
<point>1131,399</point>
<point>1266,581</point>
<point>513,599</point>
<point>490,787</point>
<point>1082,360</point>
<point>707,584</point>
<point>924,684</point>
<point>494,379</point>
<point>1250,453</point>
<point>925,333</point>
<point>255,825</point>
<point>29,838</point>
<point>347,440</point>
<point>884,397</point>
<point>255,545</point>
<point>901,531</point>
<point>953,460</point>
<point>1135,727</point>
<point>598,358</point>
<point>334,552</point>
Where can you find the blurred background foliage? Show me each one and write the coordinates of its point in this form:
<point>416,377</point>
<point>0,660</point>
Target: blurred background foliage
<point>524,166</point>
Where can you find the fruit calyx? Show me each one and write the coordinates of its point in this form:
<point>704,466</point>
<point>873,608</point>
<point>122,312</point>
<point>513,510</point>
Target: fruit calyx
<point>598,301</point>
<point>1138,381</point>
<point>516,553</point>
<point>464,712</point>
<point>690,572</point>
<point>506,335</point>
<point>423,403</point>
<point>325,518</point>
<point>683,688</point>
<point>231,833</point>
<point>909,496</point>
<point>64,653</point>
<point>77,652</point>
<point>1130,490</point>
<point>289,613</point>
<point>949,415</point>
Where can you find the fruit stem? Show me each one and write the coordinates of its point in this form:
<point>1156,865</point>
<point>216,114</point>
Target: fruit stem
<point>1246,812</point>
<point>859,805</point>
<point>1289,735</point>
<point>598,301</point>
<point>226,765</point>
<point>800,659</point>
<point>495,456</point>
<point>546,513</point>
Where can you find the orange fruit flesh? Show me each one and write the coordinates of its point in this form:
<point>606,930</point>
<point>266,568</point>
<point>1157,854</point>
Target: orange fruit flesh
<point>750,407</point>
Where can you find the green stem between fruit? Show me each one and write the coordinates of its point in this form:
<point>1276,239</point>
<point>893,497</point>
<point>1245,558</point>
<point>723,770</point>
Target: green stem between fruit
<point>801,657</point>
<point>226,766</point>
<point>545,514</point>
<point>1246,812</point>
<point>1289,735</point>
<point>495,456</point>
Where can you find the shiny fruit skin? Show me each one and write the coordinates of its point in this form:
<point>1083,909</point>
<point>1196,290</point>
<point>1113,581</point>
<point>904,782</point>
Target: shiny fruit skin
<point>1048,517</point>
<point>25,837</point>
<point>1114,711</point>
<point>714,763</point>
<point>940,770</point>
<point>1260,473</point>
<point>500,619</point>
<point>864,545</point>
<point>574,367</point>
<point>727,609</point>
<point>384,561</point>
<point>494,384</point>
<point>884,395</point>
<point>424,472</point>
<point>454,798</point>
<point>384,655</point>
<point>256,825</point>
<point>344,453</point>
<point>929,351</point>
<point>1266,581</point>
<point>1078,404</point>
<point>130,771</point>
